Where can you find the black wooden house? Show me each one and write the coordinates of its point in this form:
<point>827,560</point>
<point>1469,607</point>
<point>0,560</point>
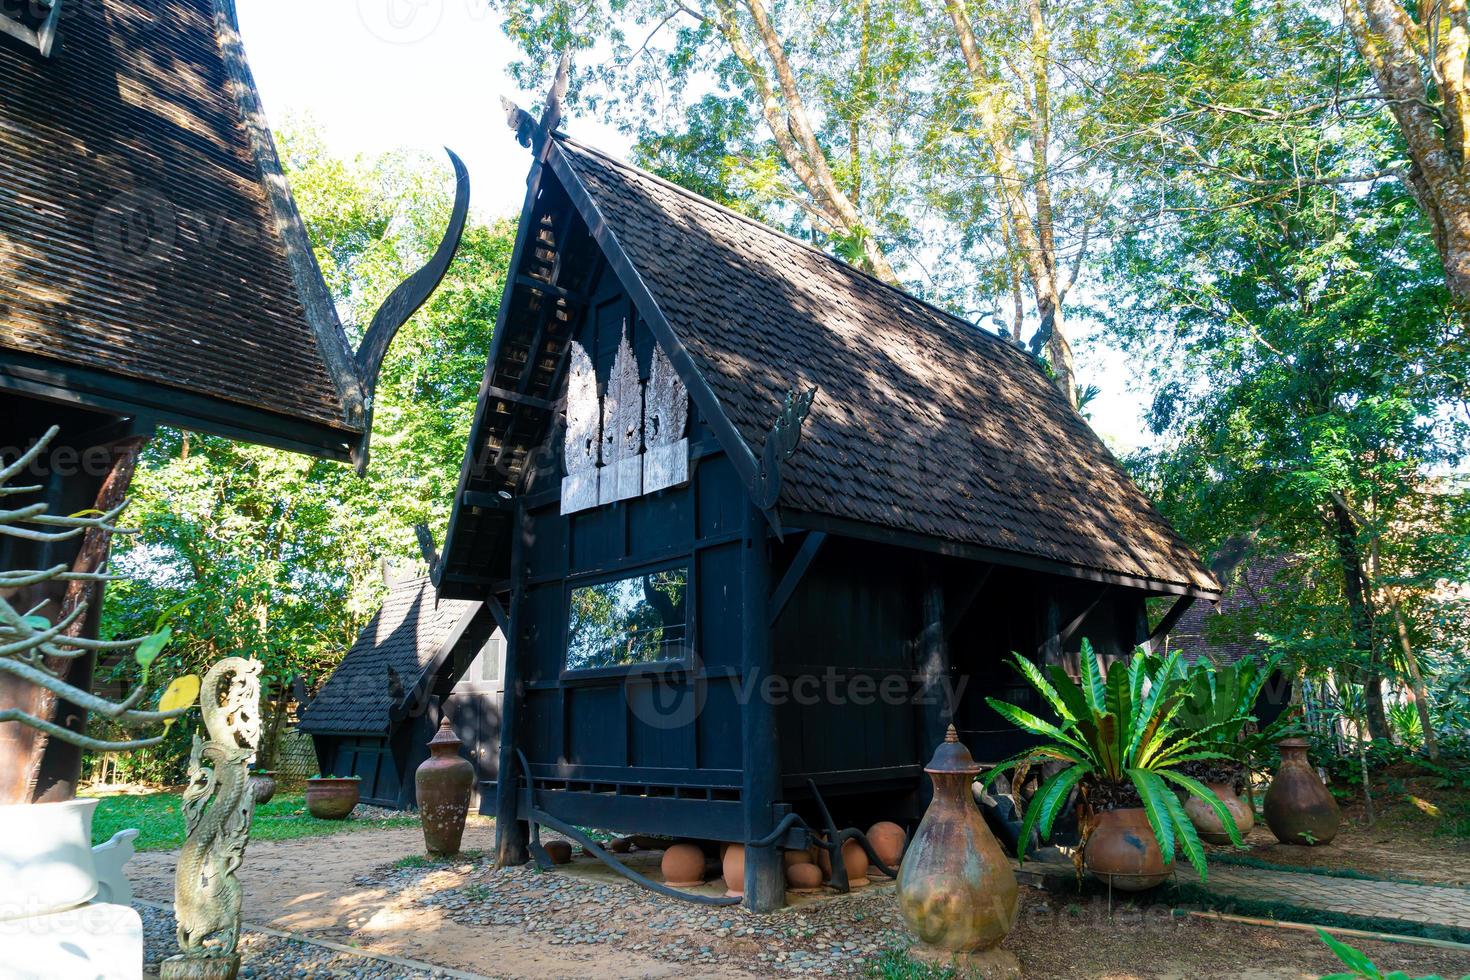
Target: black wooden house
<point>418,659</point>
<point>777,603</point>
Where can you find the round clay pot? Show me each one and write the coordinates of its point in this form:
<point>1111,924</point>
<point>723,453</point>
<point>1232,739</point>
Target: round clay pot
<point>854,858</point>
<point>733,864</point>
<point>1122,850</point>
<point>443,783</point>
<point>804,877</point>
<point>683,866</point>
<point>1205,820</point>
<point>262,786</point>
<point>559,851</point>
<point>620,846</point>
<point>888,840</point>
<point>331,799</point>
<point>789,858</point>
<point>1299,808</point>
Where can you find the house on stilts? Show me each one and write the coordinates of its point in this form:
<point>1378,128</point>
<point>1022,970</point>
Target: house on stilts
<point>758,527</point>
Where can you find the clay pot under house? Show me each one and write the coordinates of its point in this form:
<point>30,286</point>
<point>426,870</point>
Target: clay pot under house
<point>1299,808</point>
<point>262,786</point>
<point>1207,822</point>
<point>1122,850</point>
<point>683,866</point>
<point>956,889</point>
<point>790,858</point>
<point>854,858</point>
<point>804,877</point>
<point>887,839</point>
<point>559,851</point>
<point>443,783</point>
<point>331,799</point>
<point>620,846</point>
<point>733,864</point>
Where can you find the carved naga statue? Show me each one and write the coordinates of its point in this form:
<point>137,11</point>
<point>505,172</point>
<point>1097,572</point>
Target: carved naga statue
<point>218,806</point>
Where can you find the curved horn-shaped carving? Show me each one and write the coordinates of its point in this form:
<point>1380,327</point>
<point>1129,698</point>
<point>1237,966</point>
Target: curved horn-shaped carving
<point>405,301</point>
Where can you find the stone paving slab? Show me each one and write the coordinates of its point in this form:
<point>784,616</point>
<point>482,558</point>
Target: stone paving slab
<point>1424,904</point>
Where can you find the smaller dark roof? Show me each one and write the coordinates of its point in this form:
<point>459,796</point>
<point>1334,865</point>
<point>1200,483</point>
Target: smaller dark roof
<point>1247,587</point>
<point>403,643</point>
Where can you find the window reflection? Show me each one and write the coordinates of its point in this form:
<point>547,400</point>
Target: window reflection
<point>634,620</point>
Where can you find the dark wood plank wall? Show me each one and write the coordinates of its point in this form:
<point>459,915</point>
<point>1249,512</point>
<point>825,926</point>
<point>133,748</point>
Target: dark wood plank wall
<point>595,725</point>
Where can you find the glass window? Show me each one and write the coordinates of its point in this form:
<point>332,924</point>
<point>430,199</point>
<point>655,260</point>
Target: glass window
<point>636,620</point>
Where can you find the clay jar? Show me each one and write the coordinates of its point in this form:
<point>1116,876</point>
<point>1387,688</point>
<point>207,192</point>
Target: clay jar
<point>262,786</point>
<point>1207,822</point>
<point>331,799</point>
<point>1299,808</point>
<point>733,864</point>
<point>443,782</point>
<point>1122,850</point>
<point>559,851</point>
<point>683,866</point>
<point>887,839</point>
<point>804,877</point>
<point>956,889</point>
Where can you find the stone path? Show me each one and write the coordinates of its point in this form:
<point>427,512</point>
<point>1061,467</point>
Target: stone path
<point>1424,904</point>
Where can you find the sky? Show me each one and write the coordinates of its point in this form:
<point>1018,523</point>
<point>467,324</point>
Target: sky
<point>381,75</point>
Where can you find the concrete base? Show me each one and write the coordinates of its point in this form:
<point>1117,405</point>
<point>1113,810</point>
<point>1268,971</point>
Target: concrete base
<point>84,943</point>
<point>183,967</point>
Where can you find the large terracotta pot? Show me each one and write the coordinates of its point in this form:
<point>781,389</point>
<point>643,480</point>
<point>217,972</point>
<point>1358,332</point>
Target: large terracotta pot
<point>1122,850</point>
<point>262,786</point>
<point>1207,822</point>
<point>854,859</point>
<point>683,866</point>
<point>331,799</point>
<point>443,782</point>
<point>733,864</point>
<point>46,862</point>
<point>1299,808</point>
<point>956,889</point>
<point>559,851</point>
<point>887,839</point>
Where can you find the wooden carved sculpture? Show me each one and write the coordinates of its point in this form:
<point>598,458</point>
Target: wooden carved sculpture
<point>781,443</point>
<point>665,414</point>
<point>579,487</point>
<point>218,806</point>
<point>622,428</point>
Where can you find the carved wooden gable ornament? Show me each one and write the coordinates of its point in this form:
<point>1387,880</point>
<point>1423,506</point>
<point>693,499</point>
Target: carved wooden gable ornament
<point>629,442</point>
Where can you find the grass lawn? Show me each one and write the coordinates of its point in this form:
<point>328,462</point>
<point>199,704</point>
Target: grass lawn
<point>159,818</point>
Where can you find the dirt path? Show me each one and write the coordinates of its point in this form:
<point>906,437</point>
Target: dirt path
<point>306,886</point>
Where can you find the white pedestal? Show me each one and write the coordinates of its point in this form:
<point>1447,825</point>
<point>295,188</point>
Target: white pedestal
<point>84,943</point>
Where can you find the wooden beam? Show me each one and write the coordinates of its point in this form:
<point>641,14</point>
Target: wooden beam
<point>487,501</point>
<point>531,401</point>
<point>1170,620</point>
<point>551,289</point>
<point>765,874</point>
<point>805,555</point>
<point>502,618</point>
<point>1065,634</point>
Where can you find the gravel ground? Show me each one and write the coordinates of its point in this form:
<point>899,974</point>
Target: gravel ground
<point>264,956</point>
<point>835,938</point>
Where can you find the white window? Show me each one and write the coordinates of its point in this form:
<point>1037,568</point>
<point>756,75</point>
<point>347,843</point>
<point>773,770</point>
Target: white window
<point>32,22</point>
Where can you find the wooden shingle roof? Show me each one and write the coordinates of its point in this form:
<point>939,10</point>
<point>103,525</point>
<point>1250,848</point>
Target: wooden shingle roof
<point>924,425</point>
<point>405,640</point>
<point>142,259</point>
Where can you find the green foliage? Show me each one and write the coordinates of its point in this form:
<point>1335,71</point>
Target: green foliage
<point>279,557</point>
<point>1358,964</point>
<point>897,964</point>
<point>160,819</point>
<point>1114,730</point>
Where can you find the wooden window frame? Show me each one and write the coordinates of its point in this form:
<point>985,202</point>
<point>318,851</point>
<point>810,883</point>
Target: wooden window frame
<point>686,662</point>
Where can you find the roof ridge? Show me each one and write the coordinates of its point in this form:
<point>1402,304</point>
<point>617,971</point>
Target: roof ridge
<point>834,260</point>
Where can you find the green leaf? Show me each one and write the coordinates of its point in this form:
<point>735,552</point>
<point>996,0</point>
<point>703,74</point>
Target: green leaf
<point>1186,835</point>
<point>148,650</point>
<point>1044,805</point>
<point>1025,720</point>
<point>1092,682</point>
<point>1070,693</point>
<point>1034,676</point>
<point>38,623</point>
<point>1153,791</point>
<point>1352,958</point>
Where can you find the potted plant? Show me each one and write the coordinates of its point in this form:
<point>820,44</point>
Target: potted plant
<point>1116,740</point>
<point>1216,709</point>
<point>331,798</point>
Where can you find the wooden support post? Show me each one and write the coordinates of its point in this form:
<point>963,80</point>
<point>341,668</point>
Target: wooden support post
<point>765,880</point>
<point>936,707</point>
<point>512,835</point>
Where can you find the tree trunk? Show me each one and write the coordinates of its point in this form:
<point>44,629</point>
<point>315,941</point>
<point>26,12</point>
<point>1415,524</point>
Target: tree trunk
<point>1360,614</point>
<point>33,767</point>
<point>1416,681</point>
